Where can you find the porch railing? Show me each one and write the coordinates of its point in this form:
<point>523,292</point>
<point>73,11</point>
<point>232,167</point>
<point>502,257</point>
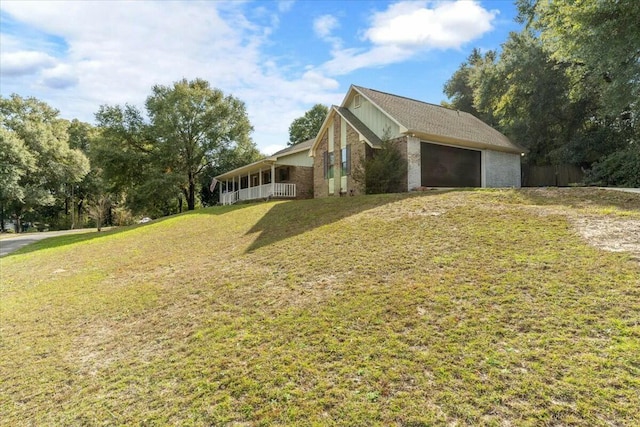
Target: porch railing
<point>277,189</point>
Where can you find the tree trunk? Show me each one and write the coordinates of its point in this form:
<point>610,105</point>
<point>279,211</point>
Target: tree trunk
<point>79,219</point>
<point>191,199</point>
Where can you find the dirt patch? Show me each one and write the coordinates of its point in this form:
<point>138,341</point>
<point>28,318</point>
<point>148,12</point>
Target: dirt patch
<point>610,233</point>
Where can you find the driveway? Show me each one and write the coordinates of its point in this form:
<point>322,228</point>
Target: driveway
<point>626,190</point>
<point>11,244</point>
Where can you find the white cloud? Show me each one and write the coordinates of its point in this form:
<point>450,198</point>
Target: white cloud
<point>285,5</point>
<point>24,62</point>
<point>116,51</point>
<point>407,29</point>
<point>324,25</point>
<point>59,77</point>
<point>446,25</point>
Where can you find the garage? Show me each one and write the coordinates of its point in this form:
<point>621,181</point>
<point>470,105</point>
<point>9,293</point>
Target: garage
<point>445,166</point>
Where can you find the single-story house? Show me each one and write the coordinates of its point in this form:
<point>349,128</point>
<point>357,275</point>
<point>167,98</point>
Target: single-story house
<point>443,147</point>
<point>285,174</point>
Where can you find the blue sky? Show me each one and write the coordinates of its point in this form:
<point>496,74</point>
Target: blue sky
<point>279,57</point>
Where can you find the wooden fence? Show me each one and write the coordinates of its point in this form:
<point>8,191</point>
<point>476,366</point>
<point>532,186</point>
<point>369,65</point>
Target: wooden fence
<point>551,176</point>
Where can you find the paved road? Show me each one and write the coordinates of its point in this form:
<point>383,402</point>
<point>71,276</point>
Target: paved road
<point>11,244</point>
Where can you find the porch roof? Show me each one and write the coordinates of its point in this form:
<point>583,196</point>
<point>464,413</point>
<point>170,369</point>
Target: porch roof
<point>266,162</point>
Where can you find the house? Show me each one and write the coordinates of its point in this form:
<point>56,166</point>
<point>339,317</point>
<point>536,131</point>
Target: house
<point>442,147</point>
<point>285,174</point>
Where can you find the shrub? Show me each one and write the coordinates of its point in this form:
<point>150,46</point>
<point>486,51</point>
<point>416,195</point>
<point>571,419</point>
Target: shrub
<point>621,168</point>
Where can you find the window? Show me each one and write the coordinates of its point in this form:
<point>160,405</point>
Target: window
<point>283,174</point>
<point>329,159</point>
<point>345,155</point>
<point>356,101</point>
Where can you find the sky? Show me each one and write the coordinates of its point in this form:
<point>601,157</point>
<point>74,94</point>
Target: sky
<point>278,57</point>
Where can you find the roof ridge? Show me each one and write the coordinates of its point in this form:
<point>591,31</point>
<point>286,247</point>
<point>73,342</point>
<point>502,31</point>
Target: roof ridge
<point>411,99</point>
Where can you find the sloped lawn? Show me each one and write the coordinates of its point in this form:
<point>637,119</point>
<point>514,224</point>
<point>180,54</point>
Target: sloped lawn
<point>443,308</point>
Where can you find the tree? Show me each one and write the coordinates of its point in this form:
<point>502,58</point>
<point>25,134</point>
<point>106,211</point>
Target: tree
<point>460,87</point>
<point>599,42</point>
<point>307,127</point>
<point>15,162</point>
<point>191,123</point>
<point>31,126</point>
<point>163,157</point>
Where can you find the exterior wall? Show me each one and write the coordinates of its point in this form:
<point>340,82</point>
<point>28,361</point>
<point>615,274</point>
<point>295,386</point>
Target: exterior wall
<point>373,118</point>
<point>414,172</point>
<point>320,185</point>
<point>302,176</point>
<point>358,154</point>
<point>500,169</point>
<point>297,159</point>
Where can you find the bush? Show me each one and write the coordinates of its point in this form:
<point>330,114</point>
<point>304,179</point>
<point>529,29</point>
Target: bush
<point>384,171</point>
<point>621,168</point>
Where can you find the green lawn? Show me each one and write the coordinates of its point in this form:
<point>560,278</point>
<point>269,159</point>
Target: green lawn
<point>443,308</point>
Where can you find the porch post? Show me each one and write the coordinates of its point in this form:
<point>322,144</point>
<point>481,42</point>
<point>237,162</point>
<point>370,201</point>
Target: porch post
<point>273,179</point>
<point>260,183</point>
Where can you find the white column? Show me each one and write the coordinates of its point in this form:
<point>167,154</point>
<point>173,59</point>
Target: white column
<point>273,179</point>
<point>260,182</point>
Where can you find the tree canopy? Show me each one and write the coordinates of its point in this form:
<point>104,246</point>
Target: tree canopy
<point>36,157</point>
<point>566,87</point>
<point>189,126</point>
<point>307,127</point>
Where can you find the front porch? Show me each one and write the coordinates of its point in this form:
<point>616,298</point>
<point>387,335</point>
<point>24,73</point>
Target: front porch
<point>268,181</point>
<point>285,174</point>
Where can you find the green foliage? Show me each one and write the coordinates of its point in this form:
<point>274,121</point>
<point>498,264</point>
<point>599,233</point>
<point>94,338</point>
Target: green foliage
<point>40,162</point>
<point>599,42</point>
<point>596,44</point>
<point>621,168</point>
<point>307,127</point>
<point>565,88</point>
<point>15,162</point>
<point>384,171</point>
<point>161,162</point>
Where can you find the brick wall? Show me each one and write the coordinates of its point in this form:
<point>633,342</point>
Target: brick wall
<point>358,154</point>
<point>302,176</point>
<point>320,185</point>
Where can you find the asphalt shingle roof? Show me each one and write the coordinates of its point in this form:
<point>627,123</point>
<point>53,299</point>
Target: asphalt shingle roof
<point>431,119</point>
<point>305,144</point>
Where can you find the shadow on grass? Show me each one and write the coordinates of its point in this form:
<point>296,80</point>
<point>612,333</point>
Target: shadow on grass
<point>70,239</point>
<point>582,197</point>
<point>292,218</point>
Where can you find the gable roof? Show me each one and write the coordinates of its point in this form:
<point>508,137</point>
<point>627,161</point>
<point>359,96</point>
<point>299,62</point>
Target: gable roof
<point>436,122</point>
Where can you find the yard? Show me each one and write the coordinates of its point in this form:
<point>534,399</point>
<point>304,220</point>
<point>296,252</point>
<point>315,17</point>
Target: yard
<point>487,307</point>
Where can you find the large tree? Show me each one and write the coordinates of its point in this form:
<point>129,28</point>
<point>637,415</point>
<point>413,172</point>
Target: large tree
<point>307,127</point>
<point>41,162</point>
<point>163,156</point>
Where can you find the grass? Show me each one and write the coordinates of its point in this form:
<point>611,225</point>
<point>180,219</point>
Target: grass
<point>447,308</point>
